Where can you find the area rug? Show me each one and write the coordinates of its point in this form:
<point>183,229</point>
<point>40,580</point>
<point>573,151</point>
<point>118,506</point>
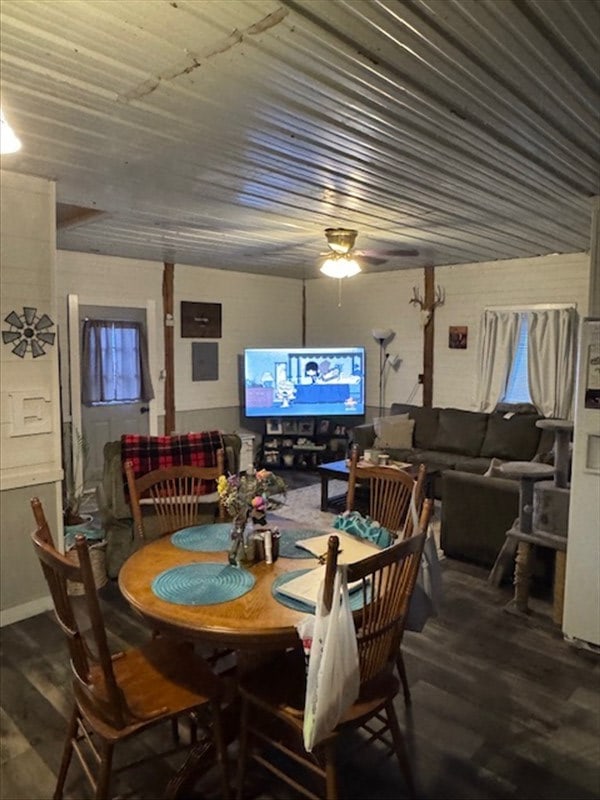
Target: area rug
<point>304,505</point>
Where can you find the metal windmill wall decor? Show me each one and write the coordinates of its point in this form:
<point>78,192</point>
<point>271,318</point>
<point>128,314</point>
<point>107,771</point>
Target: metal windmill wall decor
<point>28,332</point>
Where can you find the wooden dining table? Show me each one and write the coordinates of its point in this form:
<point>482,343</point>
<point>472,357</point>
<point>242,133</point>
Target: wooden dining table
<point>252,624</point>
<point>254,621</point>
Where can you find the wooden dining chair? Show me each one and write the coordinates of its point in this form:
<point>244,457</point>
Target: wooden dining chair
<point>118,696</point>
<point>390,491</point>
<point>273,697</point>
<point>422,527</point>
<point>176,495</point>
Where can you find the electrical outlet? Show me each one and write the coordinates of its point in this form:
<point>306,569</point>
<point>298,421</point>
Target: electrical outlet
<point>421,377</point>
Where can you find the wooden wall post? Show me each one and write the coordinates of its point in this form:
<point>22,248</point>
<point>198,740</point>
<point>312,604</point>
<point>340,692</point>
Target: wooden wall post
<point>428,338</point>
<point>169,332</point>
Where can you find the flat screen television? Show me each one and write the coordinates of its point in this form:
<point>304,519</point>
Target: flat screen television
<point>304,381</point>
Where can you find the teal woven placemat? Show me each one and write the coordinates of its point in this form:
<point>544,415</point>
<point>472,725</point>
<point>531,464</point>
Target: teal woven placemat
<point>216,537</point>
<point>356,598</point>
<point>202,584</point>
<point>210,538</point>
<point>287,542</point>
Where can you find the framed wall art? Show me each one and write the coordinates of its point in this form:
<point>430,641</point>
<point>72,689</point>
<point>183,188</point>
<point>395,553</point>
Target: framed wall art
<point>274,426</point>
<point>200,320</point>
<point>306,427</point>
<point>457,337</point>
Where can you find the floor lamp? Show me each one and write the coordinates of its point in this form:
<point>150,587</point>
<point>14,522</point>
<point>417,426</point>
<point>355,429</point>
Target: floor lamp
<point>381,335</point>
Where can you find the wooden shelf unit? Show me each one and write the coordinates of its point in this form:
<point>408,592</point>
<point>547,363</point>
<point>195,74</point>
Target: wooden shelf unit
<point>302,443</point>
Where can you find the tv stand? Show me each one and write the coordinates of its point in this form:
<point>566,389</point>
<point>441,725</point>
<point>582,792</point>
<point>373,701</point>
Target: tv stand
<point>302,442</point>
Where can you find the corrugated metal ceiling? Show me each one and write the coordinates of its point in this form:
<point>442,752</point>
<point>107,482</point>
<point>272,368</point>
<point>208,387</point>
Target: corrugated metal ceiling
<point>230,133</point>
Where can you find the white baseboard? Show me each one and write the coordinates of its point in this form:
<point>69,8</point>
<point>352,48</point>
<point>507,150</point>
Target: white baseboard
<point>25,610</point>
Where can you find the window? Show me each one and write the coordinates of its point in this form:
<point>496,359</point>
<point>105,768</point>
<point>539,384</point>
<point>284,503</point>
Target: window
<point>114,363</point>
<point>517,386</point>
<point>120,354</point>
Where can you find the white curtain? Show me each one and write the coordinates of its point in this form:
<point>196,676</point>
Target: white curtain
<point>551,356</point>
<point>497,344</point>
<point>114,364</point>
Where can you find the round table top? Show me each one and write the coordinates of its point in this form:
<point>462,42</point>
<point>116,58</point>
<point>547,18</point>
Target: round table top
<point>254,621</point>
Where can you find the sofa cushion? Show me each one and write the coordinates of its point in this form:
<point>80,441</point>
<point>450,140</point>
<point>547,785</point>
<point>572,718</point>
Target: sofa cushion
<point>394,432</point>
<point>426,426</point>
<point>426,422</point>
<point>437,459</point>
<point>460,431</point>
<point>512,439</point>
<point>401,454</point>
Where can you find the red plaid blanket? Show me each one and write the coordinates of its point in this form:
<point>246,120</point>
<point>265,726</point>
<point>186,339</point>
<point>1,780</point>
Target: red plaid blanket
<point>159,452</point>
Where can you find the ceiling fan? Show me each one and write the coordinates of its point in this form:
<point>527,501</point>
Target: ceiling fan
<point>342,254</point>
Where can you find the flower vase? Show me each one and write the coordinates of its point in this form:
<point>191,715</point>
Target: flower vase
<point>238,555</point>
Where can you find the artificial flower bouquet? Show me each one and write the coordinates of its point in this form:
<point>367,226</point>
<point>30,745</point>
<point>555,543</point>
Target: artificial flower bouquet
<point>251,494</point>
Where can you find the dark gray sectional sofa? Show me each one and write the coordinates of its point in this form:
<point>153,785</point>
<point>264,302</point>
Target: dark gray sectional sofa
<point>476,510</point>
<point>453,438</point>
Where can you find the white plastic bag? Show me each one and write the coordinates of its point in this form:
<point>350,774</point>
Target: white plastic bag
<point>333,679</point>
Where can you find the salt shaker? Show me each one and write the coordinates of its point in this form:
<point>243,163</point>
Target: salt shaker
<point>268,546</point>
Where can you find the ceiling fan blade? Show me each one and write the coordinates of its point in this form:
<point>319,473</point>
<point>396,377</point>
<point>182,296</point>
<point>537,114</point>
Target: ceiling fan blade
<point>398,251</point>
<point>372,260</point>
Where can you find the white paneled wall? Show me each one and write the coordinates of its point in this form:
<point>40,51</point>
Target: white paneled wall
<point>381,300</point>
<point>257,310</point>
<point>470,288</point>
<point>28,384</point>
<point>371,301</point>
<point>30,441</point>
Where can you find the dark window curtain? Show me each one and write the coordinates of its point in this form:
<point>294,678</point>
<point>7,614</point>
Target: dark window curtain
<point>114,363</point>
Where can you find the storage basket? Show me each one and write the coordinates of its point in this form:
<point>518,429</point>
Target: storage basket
<point>97,553</point>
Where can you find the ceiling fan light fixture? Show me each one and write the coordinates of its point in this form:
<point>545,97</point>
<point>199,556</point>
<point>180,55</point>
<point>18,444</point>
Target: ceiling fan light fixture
<point>340,267</point>
<point>9,141</point>
<point>340,240</point>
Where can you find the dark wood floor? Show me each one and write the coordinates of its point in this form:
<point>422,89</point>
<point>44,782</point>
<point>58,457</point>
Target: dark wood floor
<point>502,708</point>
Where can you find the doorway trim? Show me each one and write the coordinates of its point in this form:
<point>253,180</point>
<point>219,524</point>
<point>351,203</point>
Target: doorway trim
<point>73,303</point>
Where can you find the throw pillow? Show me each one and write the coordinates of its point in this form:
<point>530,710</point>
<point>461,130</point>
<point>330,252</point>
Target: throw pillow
<point>364,527</point>
<point>394,419</point>
<point>395,436</point>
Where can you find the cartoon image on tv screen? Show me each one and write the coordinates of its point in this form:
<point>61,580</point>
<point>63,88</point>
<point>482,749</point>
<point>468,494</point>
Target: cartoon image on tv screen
<point>304,382</point>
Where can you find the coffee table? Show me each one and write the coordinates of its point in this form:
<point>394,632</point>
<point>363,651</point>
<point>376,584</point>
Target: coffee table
<point>334,470</point>
<point>338,470</point>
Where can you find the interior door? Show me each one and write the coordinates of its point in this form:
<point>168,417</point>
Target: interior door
<point>106,423</point>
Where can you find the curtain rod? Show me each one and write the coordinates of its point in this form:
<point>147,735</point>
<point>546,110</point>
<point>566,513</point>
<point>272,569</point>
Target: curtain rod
<point>532,307</point>
<point>104,321</point>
